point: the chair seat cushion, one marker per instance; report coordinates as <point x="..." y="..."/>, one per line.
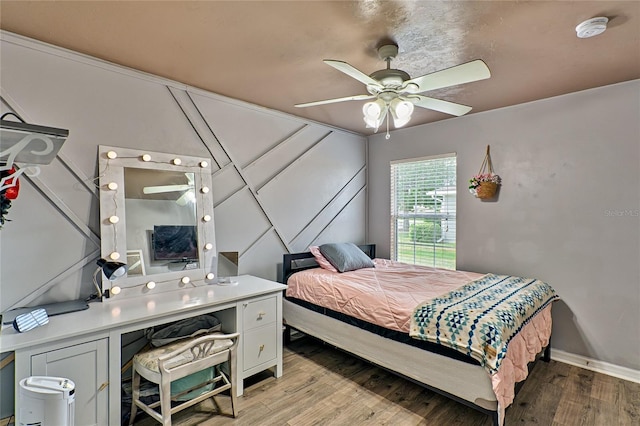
<point x="149" y="359"/>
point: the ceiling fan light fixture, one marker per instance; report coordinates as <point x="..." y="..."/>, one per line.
<point x="401" y="112"/>
<point x="373" y="109"/>
<point x="372" y="123"/>
<point x="374" y="113"/>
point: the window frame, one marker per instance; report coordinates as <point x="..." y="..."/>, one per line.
<point x="444" y="251"/>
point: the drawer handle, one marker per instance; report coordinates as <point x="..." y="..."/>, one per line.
<point x="261" y="314"/>
<point x="103" y="386"/>
<point x="261" y="348"/>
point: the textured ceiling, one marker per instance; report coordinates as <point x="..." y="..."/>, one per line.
<point x="270" y="53"/>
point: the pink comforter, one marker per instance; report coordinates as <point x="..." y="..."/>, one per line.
<point x="385" y="295"/>
<point x="388" y="294"/>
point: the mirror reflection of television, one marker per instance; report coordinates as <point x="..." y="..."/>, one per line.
<point x="175" y="242"/>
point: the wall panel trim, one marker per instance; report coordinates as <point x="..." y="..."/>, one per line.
<point x="329" y="203"/>
<point x="304" y="154"/>
<point x="262" y="156"/>
<point x="257" y="240"/>
<point x="286" y="166"/>
<point x="43" y="288"/>
<point x="338" y="215"/>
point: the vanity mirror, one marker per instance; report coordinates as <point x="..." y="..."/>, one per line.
<point x="156" y="214"/>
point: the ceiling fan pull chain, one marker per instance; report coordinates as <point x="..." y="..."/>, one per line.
<point x="387" y="136"/>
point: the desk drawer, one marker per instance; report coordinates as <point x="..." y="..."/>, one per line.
<point x="259" y="346"/>
<point x="259" y="313"/>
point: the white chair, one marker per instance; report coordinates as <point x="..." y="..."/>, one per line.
<point x="169" y="363"/>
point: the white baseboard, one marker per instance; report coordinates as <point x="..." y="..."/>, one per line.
<point x="595" y="365"/>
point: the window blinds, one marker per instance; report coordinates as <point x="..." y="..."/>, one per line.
<point x="423" y="211"/>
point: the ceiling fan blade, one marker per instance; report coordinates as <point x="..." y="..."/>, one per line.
<point x="331" y="101"/>
<point x="440" y="105"/>
<point x="164" y="188"/>
<point x="352" y="72"/>
<point x="465" y="73"/>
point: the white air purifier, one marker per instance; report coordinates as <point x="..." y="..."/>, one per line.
<point x="46" y="401"/>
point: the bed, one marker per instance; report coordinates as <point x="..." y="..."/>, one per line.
<point x="445" y="370"/>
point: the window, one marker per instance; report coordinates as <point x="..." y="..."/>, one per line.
<point x="423" y="211"/>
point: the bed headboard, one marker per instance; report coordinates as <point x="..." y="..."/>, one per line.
<point x="296" y="262"/>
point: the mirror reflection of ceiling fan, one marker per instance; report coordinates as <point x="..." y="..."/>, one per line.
<point x="188" y="193"/>
<point x="394" y="93"/>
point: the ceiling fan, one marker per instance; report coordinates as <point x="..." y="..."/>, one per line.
<point x="187" y="195"/>
<point x="395" y="92"/>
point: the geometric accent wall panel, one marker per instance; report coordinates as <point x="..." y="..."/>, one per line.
<point x="76" y="196"/>
<point x="294" y="177"/>
<point x="278" y="182"/>
<point x="267" y="166"/>
<point x="348" y="206"/>
<point x="342" y="228"/>
<point x="244" y="143"/>
<point x="309" y="184"/>
<point x="38" y="245"/>
<point x="263" y="258"/>
<point x="239" y="222"/>
<point x="226" y="182"/>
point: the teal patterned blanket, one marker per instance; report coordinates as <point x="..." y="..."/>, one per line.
<point x="480" y="318"/>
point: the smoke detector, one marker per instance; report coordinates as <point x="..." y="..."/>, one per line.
<point x="592" y="27"/>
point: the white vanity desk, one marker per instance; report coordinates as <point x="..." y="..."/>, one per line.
<point x="85" y="346"/>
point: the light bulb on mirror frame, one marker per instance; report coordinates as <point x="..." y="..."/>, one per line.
<point x="115" y="290"/>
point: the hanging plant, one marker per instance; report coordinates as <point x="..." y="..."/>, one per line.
<point x="485" y="184"/>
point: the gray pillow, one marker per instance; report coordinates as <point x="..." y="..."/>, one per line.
<point x="346" y="256"/>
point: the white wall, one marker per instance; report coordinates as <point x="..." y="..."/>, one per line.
<point x="567" y="212"/>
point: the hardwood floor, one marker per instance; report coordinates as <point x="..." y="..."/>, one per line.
<point x="323" y="386"/>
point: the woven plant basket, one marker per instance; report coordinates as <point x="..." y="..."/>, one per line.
<point x="486" y="190"/>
